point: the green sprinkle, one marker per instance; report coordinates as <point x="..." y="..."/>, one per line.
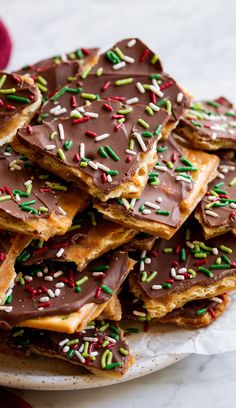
<point x="104" y="327"/>
<point x="168" y="250"/>
<point x="99" y="71"/>
<point x="192" y="272"/>
<point x="162" y="212"/>
<point x="18" y="333"/>
<point x="218" y="185"/>
<point x="186" y="161"/>
<point x="73" y="90"/>
<point x="7" y="91"/>
<point x="105" y="343"/>
<point x="56" y="186"/>
<point x="29" y="209"/>
<point x="161" y="149"/>
<point x="124" y="81"/>
<point x="57" y="96"/>
<point x="226" y="259"/>
<point x="113" y="365"/>
<point x="111" y="153"/>
<point x="183" y="255"/>
<point x="205" y="271"/>
<point x="68" y="144"/>
<point x="71" y="342"/>
<point x="4" y="198"/>
<point x="201" y="311"/>
<point x="196" y="123"/>
<point x="161" y="102"/>
<point x="123" y="351"/>
<point x="81" y="281"/>
<point x="85" y="72"/>
<point x="61" y="154"/>
<point x="43" y="209"/>
<point x="77" y="289"/>
<point x="112" y="172"/>
<point x="155" y="76"/>
<point x="42" y="80"/>
<point x="213" y="104"/>
<point x="141" y="208"/>
<point x="18" y="98"/>
<point x="184" y="169"/>
<point x="232" y="182"/>
<point x="119" y="53"/>
<point x="151" y="277"/>
<point x="166" y="285"/>
<point x="99" y="268"/>
<point x="200" y="255"/>
<point x="147" y="134"/>
<point x="168" y="107"/>
<point x="149" y="110"/>
<point x="89" y="96"/>
<point x="79" y="53"/>
<point x="106" y="289"/>
<point x="2" y="80"/>
<point x="143" y="123"/>
<point x="157" y="132"/>
<point x="144" y="276"/>
<point x="132" y="330"/>
<point x="226" y="249"/>
<point x="220" y="266"/>
<point x="41" y="87"/>
<point x="113" y="57"/>
<point x="218" y="261"/>
<point x="219" y="191"/>
<point x="31" y="202"/>
<point x="125" y="111"/>
<point x="104" y="358"/>
<point x="154" y="59"/>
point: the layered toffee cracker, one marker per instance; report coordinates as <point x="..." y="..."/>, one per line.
<point x="89" y="237"/>
<point x="32" y="201"/>
<point x="175" y="185"/>
<point x="193" y="315"/>
<point x="129" y="74"/>
<point x="101" y="348"/>
<point x="58" y="297"/>
<point x="217" y="210"/>
<point x="19" y="100"/>
<point x="11" y="245"/>
<point x="108" y="150"/>
<point x="209" y="125"/>
<point x="184" y="269"/>
<point x="141" y="241"/>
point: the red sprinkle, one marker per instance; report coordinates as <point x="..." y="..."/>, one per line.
<point x="2" y="256"/>
<point x="1" y="102"/>
<point x="128" y="159"/>
<point x="174" y="157"/>
<point x="207" y="125"/>
<point x="89" y="133"/>
<point x="118" y="116"/>
<point x="177" y="249"/>
<point x="76" y="157"/>
<point x="154" y="253"/>
<point x="186" y="275"/>
<point x="29" y="289"/>
<point x="64" y="280"/>
<point x="212" y="313"/>
<point x="85" y="51"/>
<point x="233" y="264"/>
<point x="73" y="101"/>
<point x="175" y="264"/>
<point x="201" y="262"/>
<point x="45" y="190"/>
<point x="117" y="98"/>
<point x="104" y="177"/>
<point x="43" y="288"/>
<point x="29" y="129"/>
<point x="153" y="98"/>
<point x="118" y="126"/>
<point x="166" y="85"/>
<point x="10" y="107"/>
<point x="80" y="120"/>
<point x="45" y="304"/>
<point x="144" y="55"/>
<point x="107" y="107"/>
<point x="106" y="85"/>
<point x="170" y="281"/>
<point x="98" y="292"/>
<point x="16" y="78"/>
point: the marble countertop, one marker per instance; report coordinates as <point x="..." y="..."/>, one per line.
<point x="197" y="42"/>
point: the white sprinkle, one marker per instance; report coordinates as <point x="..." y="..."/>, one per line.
<point x="60" y="252"/>
<point x="45" y="270"/>
<point x="120" y="65"/>
<point x="182" y="270"/>
<point x="17" y="197"/>
<point x="61" y="131"/>
<point x="50" y="147"/>
<point x="132" y="152"/>
<point x="102" y="167"/>
<point x="101" y="137"/>
<point x="141" y="267"/>
<point x="147" y="261"/>
<point x="91" y="114"/>
<point x="179" y="97"/>
<point x="221" y="176"/>
<point x="217" y="299"/>
<point x="57" y="292"/>
<point x="214" y="136"/>
<point x="233" y="205"/>
<point x="211" y="213"/>
<point x="173" y="272"/>
<point x="28" y="183"/>
<point x="60" y="112"/>
<point x="131" y="101"/>
<point x="28" y="278"/>
<point x="159" y="199"/>
<point x="152" y="205"/>
<point x="125" y="203"/>
<point x="109" y="178"/>
<point x="81" y="349"/>
<point x="98" y="274"/>
<point x="64" y="58"/>
<point x="50" y="293"/>
<point x="93" y="165"/>
<point x="137" y="313"/>
<point x="61" y="211"/>
<point x="63" y="342"/>
<point x="156" y="91"/>
<point x="44" y="299"/>
<point x="143" y="253"/>
<point x="128" y="59"/>
<point x="133" y="202"/>
<point x="79" y="356"/>
<point x="8" y="154"/>
<point x="154" y="107"/>
<point x="94" y="354"/>
<point x="6" y="309"/>
<point x="131" y="43"/>
<point x="59" y="285"/>
<point x="57" y="274"/>
<point x="40" y="309"/>
<point x="39" y="274"/>
<point x="179" y="277"/>
<point x="156" y="287"/>
<point x="91" y="339"/>
<point x="80" y="109"/>
<point x="215" y="251"/>
<point x="189" y="244"/>
<point x="111" y="340"/>
<point x="140" y="87"/>
<point x="186" y="180"/>
<point x="66" y="349"/>
<point x="48" y="278"/>
<point x="140" y="140"/>
<point x="161" y="168"/>
<point x="146" y="212"/>
<point x="82" y="150"/>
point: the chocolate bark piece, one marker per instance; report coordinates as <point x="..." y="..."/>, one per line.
<point x="33" y="201"/>
<point x="194" y="314"/>
<point x="11" y="245"/>
<point x="101" y="348"/>
<point x="59" y="290"/>
<point x="217" y="210"/>
<point x="89" y="237"/>
<point x="176" y="184"/>
<point x="210" y="124"/>
<point x="19" y="100"/>
<point x="111" y="157"/>
<point x="183" y="269"/>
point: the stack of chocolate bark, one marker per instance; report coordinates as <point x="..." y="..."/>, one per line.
<point x="115" y="204"/>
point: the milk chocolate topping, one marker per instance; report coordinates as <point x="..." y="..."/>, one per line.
<point x="32" y="298"/>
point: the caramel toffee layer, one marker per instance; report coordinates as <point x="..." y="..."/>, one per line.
<point x="134" y="309"/>
<point x="51" y="290"/>
<point x="169" y="183"/>
<point x="212" y="120"/>
<point x="26" y="191"/>
<point x="16" y="93"/>
<point x="104" y="143"/>
<point x="218" y="206"/>
<point x="101" y="345"/>
<point x="185" y="261"/>
<point x="56" y="247"/>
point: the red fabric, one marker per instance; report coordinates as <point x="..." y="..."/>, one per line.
<point x="10" y="400"/>
<point x="5" y="46"/>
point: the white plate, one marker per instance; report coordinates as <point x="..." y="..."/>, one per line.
<point x="38" y="373"/>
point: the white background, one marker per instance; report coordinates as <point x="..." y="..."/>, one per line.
<point x="196" y="39"/>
